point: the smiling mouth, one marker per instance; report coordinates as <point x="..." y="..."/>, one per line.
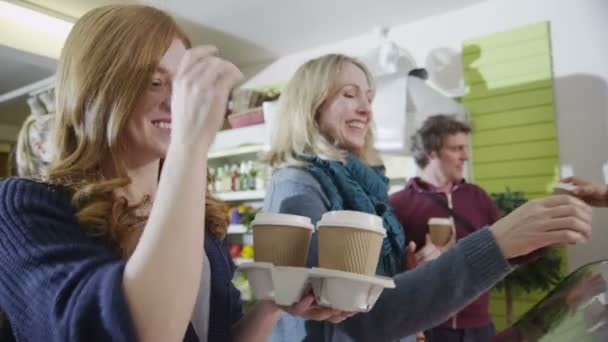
<point x="356" y="124"/>
<point x="163" y="124"/>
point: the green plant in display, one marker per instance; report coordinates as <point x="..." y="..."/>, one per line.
<point x="540" y="274"/>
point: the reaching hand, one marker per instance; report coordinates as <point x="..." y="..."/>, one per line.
<point x="554" y="220"/>
<point x="428" y="252"/>
<point x="593" y="194"/>
<point x="308" y="309"/>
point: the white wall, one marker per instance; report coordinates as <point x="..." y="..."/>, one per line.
<point x="579" y="36"/>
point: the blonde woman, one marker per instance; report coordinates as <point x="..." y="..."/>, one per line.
<point x="107" y="251"/>
<point x="34" y="152"/>
<point x="322" y="146"/>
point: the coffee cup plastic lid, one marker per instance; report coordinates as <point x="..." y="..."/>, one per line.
<point x="353" y="219"/>
<point x="282" y="220"/>
<point x="440" y="221"/>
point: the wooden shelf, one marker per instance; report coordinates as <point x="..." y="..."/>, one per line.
<point x="242" y="196"/>
<point x="240" y="261"/>
<point x="238" y="138"/>
<point x="236" y="151"/>
<point x="237" y="229"/>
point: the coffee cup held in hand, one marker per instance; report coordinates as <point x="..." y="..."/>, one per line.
<point x="440" y="230"/>
<point x="564" y="188"/>
<point x="350" y="241"/>
<point x="281" y="239"/>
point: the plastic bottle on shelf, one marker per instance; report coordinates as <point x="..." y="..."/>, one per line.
<point x="219" y="174"/>
<point x="260" y="179"/>
<point x="235" y="178"/>
<point x="227" y="179"/>
<point x="212" y="177"/>
<point x="244" y="176"/>
<point x="253" y="173"/>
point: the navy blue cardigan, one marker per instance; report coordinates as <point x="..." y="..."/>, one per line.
<point x="59" y="284"/>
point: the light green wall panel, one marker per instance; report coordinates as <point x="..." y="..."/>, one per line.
<point x="520" y="168"/>
<point x="488" y="72"/>
<point x="504" y="54"/>
<point x="514" y="151"/>
<point x="520" y="117"/>
<point x="509" y="135"/>
<point x="516" y="100"/>
<point x="514" y="141"/>
<point x="513" y="38"/>
<point x="540" y="184"/>
<point x="510" y="85"/>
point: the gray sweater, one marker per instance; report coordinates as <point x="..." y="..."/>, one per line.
<point x="424" y="297"/>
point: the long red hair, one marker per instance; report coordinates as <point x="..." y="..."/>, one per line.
<point x="104" y="68"/>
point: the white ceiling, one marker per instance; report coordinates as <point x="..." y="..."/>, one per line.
<point x="254" y="31"/>
<point x="74" y="8"/>
<point x="283" y="26"/>
<point x="18" y="68"/>
<point x="248" y="32"/>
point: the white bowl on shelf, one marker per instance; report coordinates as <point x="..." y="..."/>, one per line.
<point x="347" y="291"/>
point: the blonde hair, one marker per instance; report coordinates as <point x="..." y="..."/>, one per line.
<point x="295" y="130"/>
<point x="105" y="66"/>
<point x="35" y="129"/>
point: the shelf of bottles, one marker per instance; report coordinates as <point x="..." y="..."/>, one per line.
<point x="240" y="181"/>
<point x="239" y="178"/>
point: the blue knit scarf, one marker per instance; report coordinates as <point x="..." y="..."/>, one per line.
<point x="356" y="186"/>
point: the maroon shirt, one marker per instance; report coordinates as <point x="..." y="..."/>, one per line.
<point x="413" y="208"/>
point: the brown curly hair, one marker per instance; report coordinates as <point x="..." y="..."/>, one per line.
<point x="430" y="136"/>
<point x="105" y="66"/>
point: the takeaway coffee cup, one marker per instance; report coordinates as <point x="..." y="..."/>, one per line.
<point x="440" y="230"/>
<point x="281" y="239"/>
<point x="350" y="241"/>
